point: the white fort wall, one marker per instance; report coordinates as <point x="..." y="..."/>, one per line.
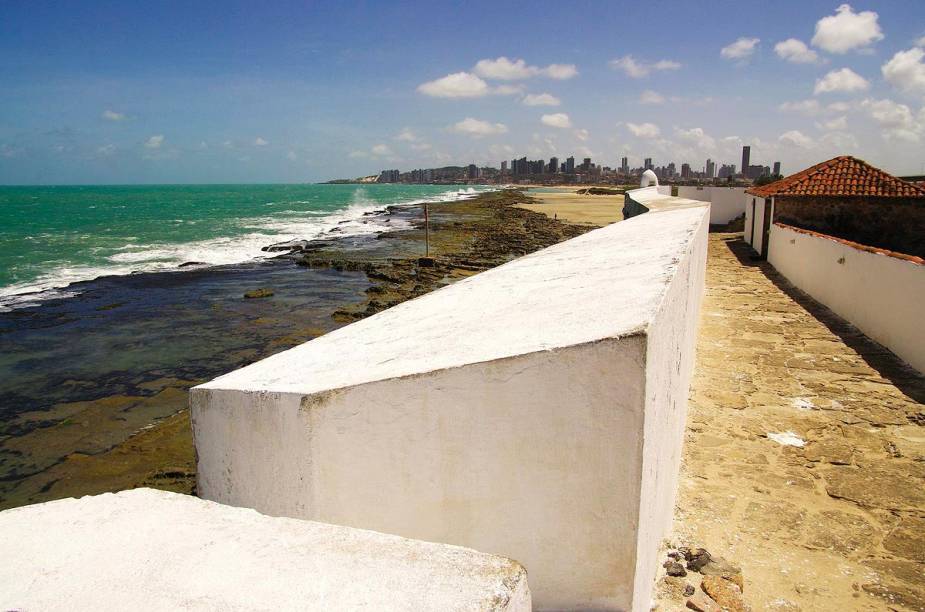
<point x="535" y="411"/>
<point x="887" y="308"/>
<point x="153" y="550"/>
<point x="726" y="203"/>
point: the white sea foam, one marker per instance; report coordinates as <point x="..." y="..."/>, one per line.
<point x="288" y="225"/>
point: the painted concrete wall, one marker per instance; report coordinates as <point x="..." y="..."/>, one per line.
<point x="726" y="203"/>
<point x="756" y="240"/>
<point x="881" y="295"/>
<point x="515" y="412"/>
<point x="153" y="550"/>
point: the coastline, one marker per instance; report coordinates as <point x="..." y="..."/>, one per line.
<point x="108" y="443"/>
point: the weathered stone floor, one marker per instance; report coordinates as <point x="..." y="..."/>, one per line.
<point x="837" y="524"/>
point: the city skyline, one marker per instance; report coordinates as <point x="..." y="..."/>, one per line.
<point x="107" y="92"/>
<point x="587" y="169"/>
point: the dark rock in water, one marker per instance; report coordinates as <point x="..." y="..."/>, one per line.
<point x="187" y="264"/>
<point x="291" y="245"/>
<point x="259" y="293"/>
<point x="673" y="568"/>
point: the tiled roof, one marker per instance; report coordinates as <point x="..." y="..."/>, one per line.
<point x="841" y="176"/>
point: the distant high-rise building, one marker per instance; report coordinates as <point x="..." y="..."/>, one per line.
<point x="685" y="171"/>
<point x="710" y="170"/>
<point x="625" y="165"/>
<point x="586" y="164"/>
<point x="746" y="158"/>
<point x="553" y="165"/>
<point x="671" y="170"/>
<point x="473" y="171"/>
<point x="570" y="165"/>
<point x="647" y="165"/>
<point x="777" y="168"/>
<point x="389" y="176"/>
<point x="504" y="167"/>
<point x="727" y="170"/>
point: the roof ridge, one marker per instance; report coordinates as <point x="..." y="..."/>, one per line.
<point x="845" y="176"/>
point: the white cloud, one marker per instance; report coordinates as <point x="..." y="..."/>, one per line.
<point x="838" y="107"/>
<point x="582" y="134"/>
<point x="260" y="142"/>
<point x="638" y="69"/>
<point x="380" y="150"/>
<point x="696" y="136"/>
<point x="406" y="135"/>
<point x="651" y="97"/>
<point x="478" y="128"/>
<point x="560" y="72"/>
<point x="796" y="51"/>
<point x="543" y="99"/>
<point x="838" y="123"/>
<point x="456" y="85"/>
<point x="741" y="49"/>
<point x="421" y="146"/>
<point x="897" y="120"/>
<point x="797" y="139"/>
<point x="291" y="156"/>
<point x="805" y="107"/>
<point x="906" y="71"/>
<point x="643" y="130"/>
<point x="358" y="154"/>
<point x="847" y="30"/>
<point x="107" y="149"/>
<point x="920" y="42"/>
<point x="504" y="69"/>
<point x="557" y="120"/>
<point x="845" y="80"/>
<point x="112" y="115"/>
<point x="155" y="141"/>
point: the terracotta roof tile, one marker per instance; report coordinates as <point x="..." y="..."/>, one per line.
<point x="841" y="176"/>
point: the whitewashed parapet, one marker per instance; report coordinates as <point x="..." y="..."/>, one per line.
<point x="154" y="550"/>
<point x="879" y="292"/>
<point x="534" y="411"/>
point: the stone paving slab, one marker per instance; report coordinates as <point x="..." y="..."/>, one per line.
<point x="804" y="458"/>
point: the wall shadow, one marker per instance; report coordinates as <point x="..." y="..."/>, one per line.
<point x="885" y="362"/>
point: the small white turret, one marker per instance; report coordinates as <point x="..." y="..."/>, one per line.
<point x="648" y="178"/>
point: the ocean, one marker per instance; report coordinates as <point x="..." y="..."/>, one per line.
<point x="102" y="332"/>
<point x="53" y="236"/>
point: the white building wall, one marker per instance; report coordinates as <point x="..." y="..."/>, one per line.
<point x="145" y="549"/>
<point x="754" y="227"/>
<point x="726" y="203"/>
<point x="879" y="294"/>
<point x="534" y="411"/>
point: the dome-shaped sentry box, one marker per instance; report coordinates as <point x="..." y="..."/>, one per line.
<point x="648" y="178"/>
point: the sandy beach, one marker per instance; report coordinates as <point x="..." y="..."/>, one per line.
<point x="568" y="205"/>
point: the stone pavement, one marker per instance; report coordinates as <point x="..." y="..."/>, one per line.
<point x="804" y="458"/>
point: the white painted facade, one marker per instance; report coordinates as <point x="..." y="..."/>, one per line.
<point x="726" y="203"/>
<point x="154" y="550"/>
<point x="879" y="294"/>
<point x="534" y="411"/>
<point x="756" y="220"/>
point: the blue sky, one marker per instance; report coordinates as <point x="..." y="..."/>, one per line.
<point x="130" y="92"/>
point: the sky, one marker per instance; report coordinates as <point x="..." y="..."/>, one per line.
<point x="220" y="92"/>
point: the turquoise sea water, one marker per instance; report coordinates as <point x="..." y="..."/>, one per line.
<point x="53" y="236"/>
